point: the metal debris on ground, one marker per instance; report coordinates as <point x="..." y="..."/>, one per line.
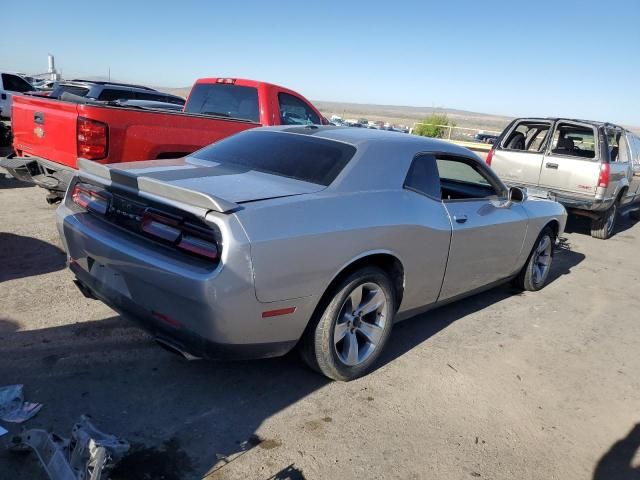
<point x="13" y="408"/>
<point x="85" y="456"/>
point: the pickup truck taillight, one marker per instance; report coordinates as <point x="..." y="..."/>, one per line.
<point x="605" y="173"/>
<point x="93" y="139"/>
<point x="490" y="156"/>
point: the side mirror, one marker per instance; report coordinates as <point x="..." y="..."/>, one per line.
<point x="517" y="194"/>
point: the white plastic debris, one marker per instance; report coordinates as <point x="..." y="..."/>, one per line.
<point x="13" y="408"/>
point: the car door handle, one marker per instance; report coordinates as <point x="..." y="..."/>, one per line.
<point x="4" y="96"/>
<point x="552" y="165"/>
<point x="460" y="218"/>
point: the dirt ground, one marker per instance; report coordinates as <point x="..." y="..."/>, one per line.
<point x="502" y="385"/>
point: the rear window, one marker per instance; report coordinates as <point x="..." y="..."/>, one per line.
<point x="73" y="89"/>
<point x="159" y="97"/>
<point x="225" y="100"/>
<point x="112" y="94"/>
<point x="302" y="157"/>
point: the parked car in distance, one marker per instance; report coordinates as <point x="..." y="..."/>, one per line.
<point x="10" y="85"/>
<point x="485" y="137"/>
<point x="592" y="168"/>
<point x="50" y="133"/>
<point x="112" y="91"/>
<point x="320" y="237"/>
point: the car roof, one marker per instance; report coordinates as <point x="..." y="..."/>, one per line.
<point x="594" y="123"/>
<point x="77" y="81"/>
<point x="360" y="137"/>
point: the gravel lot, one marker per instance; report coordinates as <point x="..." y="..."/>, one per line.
<point x="498" y="386"/>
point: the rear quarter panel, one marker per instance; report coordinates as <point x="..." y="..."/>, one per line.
<point x="298" y="247"/>
<point x="541" y="213"/>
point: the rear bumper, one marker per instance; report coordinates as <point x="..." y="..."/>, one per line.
<point x="203" y="312"/>
<point x="39" y="171"/>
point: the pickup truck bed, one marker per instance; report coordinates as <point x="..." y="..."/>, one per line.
<point x="51" y="134"/>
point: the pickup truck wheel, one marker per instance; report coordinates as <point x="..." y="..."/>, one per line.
<point x="604" y="226"/>
<point x="535" y="273"/>
<point x="353" y="327"/>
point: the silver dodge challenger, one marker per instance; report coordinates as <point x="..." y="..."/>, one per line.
<point x="319" y="238"/>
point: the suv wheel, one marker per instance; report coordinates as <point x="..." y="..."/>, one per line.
<point x="604" y="226"/>
<point x="353" y="328"/>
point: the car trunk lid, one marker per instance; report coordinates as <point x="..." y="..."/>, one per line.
<point x="198" y="183"/>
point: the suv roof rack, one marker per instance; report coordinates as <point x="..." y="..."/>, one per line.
<point x="100" y="82"/>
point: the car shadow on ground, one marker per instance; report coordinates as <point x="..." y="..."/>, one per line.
<point x="182" y="418"/>
<point x="7" y="181"/>
<point x="22" y="257"/>
<point x="616" y="463"/>
<point x="582" y="225"/>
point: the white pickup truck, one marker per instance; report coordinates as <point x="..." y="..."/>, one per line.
<point x="10" y="85"/>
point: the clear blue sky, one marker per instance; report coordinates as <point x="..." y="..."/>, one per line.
<point x="566" y="58"/>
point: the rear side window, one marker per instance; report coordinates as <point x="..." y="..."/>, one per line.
<point x="617" y="143"/>
<point x="302" y="157"/>
<point x="574" y="141"/>
<point x="14" y="83"/>
<point x="423" y="176"/>
<point x="73" y="89"/>
<point x="226" y="100"/>
<point x="294" y="111"/>
<point x="527" y="136"/>
<point x="111" y="94"/>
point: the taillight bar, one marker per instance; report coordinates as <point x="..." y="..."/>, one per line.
<point x="183" y="235"/>
<point x="229" y="81"/>
<point x="90" y="198"/>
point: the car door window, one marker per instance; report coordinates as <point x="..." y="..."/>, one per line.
<point x="294" y="111"/>
<point x="571" y="140"/>
<point x="14" y="83"/>
<point x="465" y="179"/>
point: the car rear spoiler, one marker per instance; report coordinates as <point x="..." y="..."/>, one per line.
<point x="142" y="184"/>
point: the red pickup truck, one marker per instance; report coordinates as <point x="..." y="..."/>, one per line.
<point x="49" y="135"/>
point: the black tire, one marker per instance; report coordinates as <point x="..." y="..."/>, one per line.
<point x="604" y="226"/>
<point x="317" y="347"/>
<point x="634" y="214"/>
<point x="526" y="278"/>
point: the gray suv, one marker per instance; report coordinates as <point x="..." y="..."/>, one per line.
<point x="592" y="168"/>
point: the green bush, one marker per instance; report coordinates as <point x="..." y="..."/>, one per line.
<point x="434" y="126"/>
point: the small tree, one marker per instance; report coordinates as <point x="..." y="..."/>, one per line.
<point x="433" y="126"/>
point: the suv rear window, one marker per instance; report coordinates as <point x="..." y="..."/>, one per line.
<point x="111" y="94"/>
<point x="302" y="157"/>
<point x="574" y="141"/>
<point x="225" y="100"/>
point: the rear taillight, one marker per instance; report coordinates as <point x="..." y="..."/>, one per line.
<point x="605" y="173"/>
<point x="490" y="156"/>
<point x="183" y="235"/>
<point x="93" y="139"/>
<point x="90" y="198"/>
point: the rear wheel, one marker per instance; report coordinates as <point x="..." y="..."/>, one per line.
<point x="604" y="226"/>
<point x="535" y="273"/>
<point x="353" y="327"/>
